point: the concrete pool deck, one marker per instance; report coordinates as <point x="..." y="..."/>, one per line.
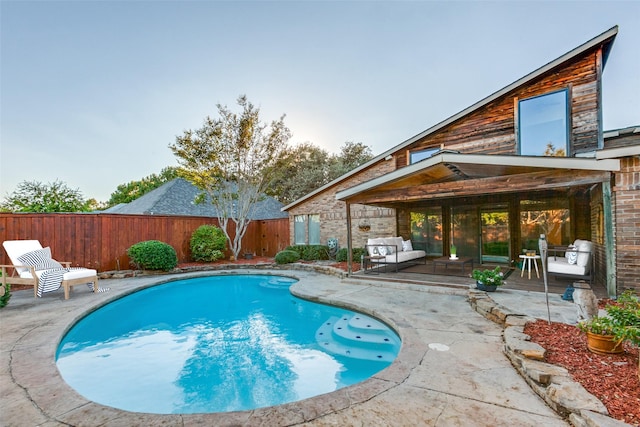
<point x="451" y="371"/>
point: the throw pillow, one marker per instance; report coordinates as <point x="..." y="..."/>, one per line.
<point x="382" y="250"/>
<point x="572" y="255"/>
<point x="407" y="246"/>
<point x="371" y="248"/>
<point x="40" y="259"/>
<point x="391" y="250"/>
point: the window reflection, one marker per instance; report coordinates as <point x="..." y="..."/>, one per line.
<point x="416" y="156"/>
<point x="543" y="125"/>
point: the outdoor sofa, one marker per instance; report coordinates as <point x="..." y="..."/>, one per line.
<point x="393" y="251"/>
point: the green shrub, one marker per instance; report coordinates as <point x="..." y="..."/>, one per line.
<point x="356" y="254"/>
<point x="287" y="257"/>
<point x="4" y="299"/>
<point x="153" y="255"/>
<point x="311" y="252"/>
<point x="208" y="243"/>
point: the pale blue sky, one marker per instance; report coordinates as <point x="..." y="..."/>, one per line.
<point x="93" y="92"/>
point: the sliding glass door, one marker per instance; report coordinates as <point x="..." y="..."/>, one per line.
<point x="464" y="231"/>
<point x="426" y="230"/>
<point x="494" y="233"/>
<point x="481" y="232"/>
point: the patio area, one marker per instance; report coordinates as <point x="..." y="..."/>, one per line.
<point x="435" y="380"/>
<point x="455" y="277"/>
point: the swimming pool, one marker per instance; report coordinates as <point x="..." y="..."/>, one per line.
<point x="217" y="344"/>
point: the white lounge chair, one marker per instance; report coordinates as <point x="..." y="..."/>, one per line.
<point x="30" y="261"/>
<point x="574" y="262"/>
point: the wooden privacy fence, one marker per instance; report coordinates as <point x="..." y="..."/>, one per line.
<point x="101" y="241"/>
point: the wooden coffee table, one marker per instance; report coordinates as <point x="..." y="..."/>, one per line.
<point x="446" y="261"/>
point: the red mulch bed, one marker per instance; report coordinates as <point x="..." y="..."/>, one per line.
<point x="613" y="379"/>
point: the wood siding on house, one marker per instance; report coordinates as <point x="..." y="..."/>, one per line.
<point x="529" y="183"/>
<point x="101" y="241"/>
<point x="492" y="129"/>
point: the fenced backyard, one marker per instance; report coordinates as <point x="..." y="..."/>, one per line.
<point x="100" y="241"/>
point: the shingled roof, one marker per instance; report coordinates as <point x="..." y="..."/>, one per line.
<point x="177" y="197"/>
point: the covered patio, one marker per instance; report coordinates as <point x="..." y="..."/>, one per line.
<point x="423" y="274"/>
<point x="494" y="207"/>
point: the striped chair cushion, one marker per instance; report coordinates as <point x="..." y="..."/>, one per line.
<point x="40" y="259"/>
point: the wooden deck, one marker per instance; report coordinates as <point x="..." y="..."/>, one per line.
<point x="453" y="276"/>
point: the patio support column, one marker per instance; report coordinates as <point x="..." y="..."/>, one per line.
<point x="609" y="251"/>
<point x="349" y="251"/>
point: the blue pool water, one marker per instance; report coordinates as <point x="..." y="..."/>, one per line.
<point x="217" y="344"/>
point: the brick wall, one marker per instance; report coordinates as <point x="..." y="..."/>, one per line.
<point x="333" y="215"/>
<point x="626" y="195"/>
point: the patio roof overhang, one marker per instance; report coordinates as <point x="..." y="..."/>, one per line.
<point x="449" y="175"/>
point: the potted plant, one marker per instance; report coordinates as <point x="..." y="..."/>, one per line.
<point x="488" y="280"/>
<point x="453" y="251"/>
<point x="606" y="334"/>
<point x="600" y="331"/>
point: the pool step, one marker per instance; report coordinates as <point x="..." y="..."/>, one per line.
<point x="277" y="282"/>
<point x="358" y="336"/>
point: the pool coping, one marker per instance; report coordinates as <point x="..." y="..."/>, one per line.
<point x="33" y="367"/>
<point x="39" y="394"/>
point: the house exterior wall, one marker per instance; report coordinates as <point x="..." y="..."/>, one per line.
<point x="626" y="212"/>
<point x="489" y="130"/>
<point x="333" y="215"/>
<point x="623" y="138"/>
<point x="492" y="129"/>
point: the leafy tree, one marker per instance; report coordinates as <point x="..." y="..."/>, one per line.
<point x="233" y="158"/>
<point x="307" y="167"/>
<point x="301" y="170"/>
<point x="552" y="151"/>
<point x="95" y="205"/>
<point x="34" y="196"/>
<point x="352" y="154"/>
<point x="126" y="193"/>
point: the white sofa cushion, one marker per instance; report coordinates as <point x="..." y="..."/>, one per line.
<point x="409" y="255"/>
<point x="561" y="266"/>
<point x="15" y="248"/>
<point x="584" y="252"/>
<point x="74" y="273"/>
<point x="394" y="244"/>
<point x="401" y="257"/>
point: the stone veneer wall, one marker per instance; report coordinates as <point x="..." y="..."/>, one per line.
<point x="333" y="215"/>
<point x="626" y="202"/>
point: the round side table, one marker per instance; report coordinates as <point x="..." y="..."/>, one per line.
<point x="526" y="263"/>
